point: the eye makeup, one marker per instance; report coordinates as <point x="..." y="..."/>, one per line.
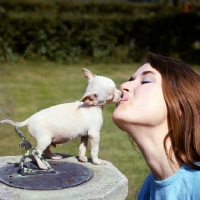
<point x="144" y="74"/>
<point x="146" y="80"/>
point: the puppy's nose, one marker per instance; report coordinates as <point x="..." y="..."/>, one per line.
<point x="124" y="96"/>
<point x="120" y="95"/>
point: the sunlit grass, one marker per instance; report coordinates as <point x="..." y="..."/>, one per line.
<point x="28" y="87"/>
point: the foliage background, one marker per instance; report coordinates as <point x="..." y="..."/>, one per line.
<point x="68" y="31"/>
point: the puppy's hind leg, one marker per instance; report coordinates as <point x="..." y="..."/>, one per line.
<point x="41" y="146"/>
<point x="83" y="148"/>
<point x="52" y="155"/>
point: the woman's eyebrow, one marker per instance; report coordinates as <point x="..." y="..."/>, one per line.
<point x="143" y="73"/>
<point x="147" y="72"/>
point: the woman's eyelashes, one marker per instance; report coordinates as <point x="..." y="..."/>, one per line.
<point x="146" y="80"/>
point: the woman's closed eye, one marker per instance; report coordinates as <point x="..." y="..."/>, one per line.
<point x="146" y="80"/>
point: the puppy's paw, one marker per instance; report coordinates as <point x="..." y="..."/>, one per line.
<point x="56" y="157"/>
<point x="83" y="159"/>
<point x="97" y="162"/>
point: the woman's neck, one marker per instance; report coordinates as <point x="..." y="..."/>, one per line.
<point x="151" y="144"/>
<point x="161" y="166"/>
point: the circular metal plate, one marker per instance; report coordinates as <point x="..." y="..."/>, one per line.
<point x="67" y="175"/>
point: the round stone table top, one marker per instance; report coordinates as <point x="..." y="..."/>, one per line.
<point x="106" y="183"/>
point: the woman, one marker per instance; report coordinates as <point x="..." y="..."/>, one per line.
<point x="160" y="110"/>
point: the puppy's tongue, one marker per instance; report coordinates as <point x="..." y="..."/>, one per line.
<point x="124" y="97"/>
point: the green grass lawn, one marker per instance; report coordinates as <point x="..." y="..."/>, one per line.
<point x="28" y="87"/>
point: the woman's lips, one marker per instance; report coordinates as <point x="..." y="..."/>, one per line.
<point x="124" y="98"/>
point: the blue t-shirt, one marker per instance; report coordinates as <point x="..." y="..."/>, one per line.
<point x="183" y="185"/>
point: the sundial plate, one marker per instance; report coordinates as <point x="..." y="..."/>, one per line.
<point x="67" y="175"/>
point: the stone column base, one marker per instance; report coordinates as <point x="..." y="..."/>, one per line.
<point x="107" y="183"/>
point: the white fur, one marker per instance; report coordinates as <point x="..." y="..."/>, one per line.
<point x="64" y="122"/>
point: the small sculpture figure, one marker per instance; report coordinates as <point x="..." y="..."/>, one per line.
<point x="28" y="170"/>
<point x="64" y="122"/>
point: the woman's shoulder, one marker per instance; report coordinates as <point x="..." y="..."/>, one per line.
<point x="190" y="173"/>
<point x="174" y="186"/>
<point x="145" y="190"/>
<point x="185" y="176"/>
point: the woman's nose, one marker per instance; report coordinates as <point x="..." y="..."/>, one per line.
<point x="124" y="87"/>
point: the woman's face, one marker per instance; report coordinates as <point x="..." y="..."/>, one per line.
<point x="142" y="102"/>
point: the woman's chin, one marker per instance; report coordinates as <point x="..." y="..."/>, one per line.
<point x="117" y="119"/>
<point x="115" y="116"/>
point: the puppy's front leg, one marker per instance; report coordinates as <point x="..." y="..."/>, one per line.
<point x="94" y="140"/>
<point x="82" y="149"/>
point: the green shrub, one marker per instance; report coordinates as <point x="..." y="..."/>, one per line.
<point x="171" y="35"/>
<point x="67" y="31"/>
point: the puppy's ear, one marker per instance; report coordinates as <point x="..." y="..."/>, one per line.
<point x="88" y="74"/>
<point x="89" y="99"/>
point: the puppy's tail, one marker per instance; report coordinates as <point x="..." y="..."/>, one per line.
<point x="18" y="124"/>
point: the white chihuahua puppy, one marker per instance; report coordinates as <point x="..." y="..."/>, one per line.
<point x="64" y="122"/>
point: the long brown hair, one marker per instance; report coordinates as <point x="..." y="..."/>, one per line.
<point x="181" y="90"/>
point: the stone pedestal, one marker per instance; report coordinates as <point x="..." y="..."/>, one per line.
<point x="107" y="183"/>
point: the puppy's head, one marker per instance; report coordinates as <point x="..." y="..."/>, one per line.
<point x="100" y="90"/>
